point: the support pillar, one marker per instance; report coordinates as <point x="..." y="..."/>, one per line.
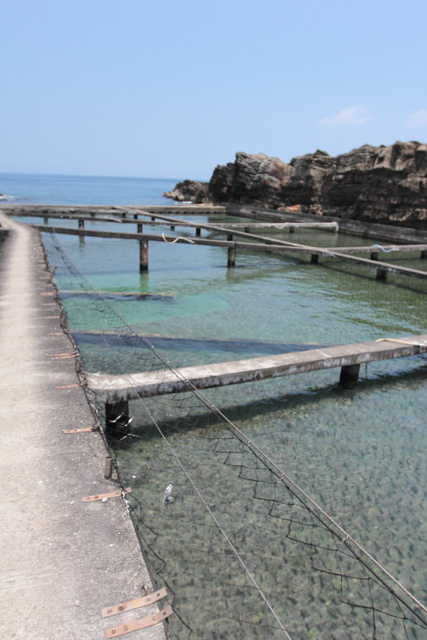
<point x="314" y="258"/>
<point x="374" y="255"/>
<point x="231" y="262"/>
<point x="423" y="255"/>
<point x="381" y="274"/>
<point x="139" y="228"/>
<point x="143" y="256"/>
<point x="135" y="216"/>
<point x="247" y="229"/>
<point x="45" y="220"/>
<point x="81" y="226"/>
<point x="197" y="232"/>
<point x="172" y="227"/>
<point x="291" y="229"/>
<point x="349" y="373"/>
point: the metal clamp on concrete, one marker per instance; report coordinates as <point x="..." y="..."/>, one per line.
<point x="106" y="496"/>
<point x="149" y="621"/>
<point x="134" y="604"/>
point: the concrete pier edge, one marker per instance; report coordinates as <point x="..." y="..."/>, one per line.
<point x="62" y="560"/>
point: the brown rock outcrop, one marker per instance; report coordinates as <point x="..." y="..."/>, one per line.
<point x="378" y="183"/>
<point x="371" y="183"/>
<point x="190" y="190"/>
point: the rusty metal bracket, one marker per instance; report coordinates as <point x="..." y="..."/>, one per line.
<point x="68" y="386"/>
<point x="102" y="496"/>
<point x="149" y="621"/>
<point x="134" y="604"/>
<point x="63" y="356"/>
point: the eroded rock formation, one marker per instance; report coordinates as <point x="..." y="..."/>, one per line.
<point x="190" y="191"/>
<point x="371" y="183"/>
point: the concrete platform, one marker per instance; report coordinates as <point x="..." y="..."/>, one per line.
<point x="114" y="389"/>
<point x="62" y="560"/>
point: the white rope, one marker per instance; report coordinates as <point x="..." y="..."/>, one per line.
<point x="412" y="344"/>
<point x="378" y="246"/>
<point x="176" y="239"/>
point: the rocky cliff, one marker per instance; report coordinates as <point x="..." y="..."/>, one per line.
<point x="370" y="183"/>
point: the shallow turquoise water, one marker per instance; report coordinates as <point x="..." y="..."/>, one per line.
<point x="361" y="453"/>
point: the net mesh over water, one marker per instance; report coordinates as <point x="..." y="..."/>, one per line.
<point x="242" y="551"/>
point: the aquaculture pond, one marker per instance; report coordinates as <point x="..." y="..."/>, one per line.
<point x="359" y="452"/>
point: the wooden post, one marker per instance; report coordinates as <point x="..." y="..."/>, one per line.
<point x="349" y="373"/>
<point x="197" y="232"/>
<point x="45" y="220"/>
<point x="247" y="229"/>
<point x="143" y="256"/>
<point x="381" y="274"/>
<point x="139" y="228"/>
<point x="172" y="227"/>
<point x="291" y="229"/>
<point x="124" y="215"/>
<point x="81" y="226"/>
<point x="135" y="216"/>
<point x="374" y="255"/>
<point x="423" y="255"/>
<point x="231" y="261"/>
<point x="314" y="258"/>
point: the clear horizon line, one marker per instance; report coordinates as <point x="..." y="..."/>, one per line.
<point x="92" y="175"/>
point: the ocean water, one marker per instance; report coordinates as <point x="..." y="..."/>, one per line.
<point x="59" y="189"/>
<point x="359" y="452"/>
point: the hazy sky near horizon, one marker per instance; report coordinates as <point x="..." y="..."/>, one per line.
<point x="173" y="88"/>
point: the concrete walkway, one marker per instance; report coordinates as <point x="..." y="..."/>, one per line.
<point x="61" y="560"/>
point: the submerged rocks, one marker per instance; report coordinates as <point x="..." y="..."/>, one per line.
<point x="371" y="183"/>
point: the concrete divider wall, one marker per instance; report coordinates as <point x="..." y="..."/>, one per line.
<point x="391" y="232"/>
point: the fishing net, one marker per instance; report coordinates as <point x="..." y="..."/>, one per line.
<point x="243" y="552"/>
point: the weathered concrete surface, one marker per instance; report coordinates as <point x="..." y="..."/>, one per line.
<point x="61" y="560"/>
<point x="111" y="389"/>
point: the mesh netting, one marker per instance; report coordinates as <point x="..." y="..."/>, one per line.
<point x="243" y="552"/>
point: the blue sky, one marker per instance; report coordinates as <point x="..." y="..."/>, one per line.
<point x="173" y="88"/>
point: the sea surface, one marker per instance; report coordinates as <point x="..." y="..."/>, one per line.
<point x="59" y="189"/>
<point x="359" y="452"/>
